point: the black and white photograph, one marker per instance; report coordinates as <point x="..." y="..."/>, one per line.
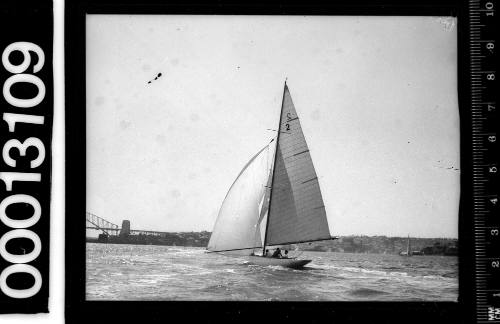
<point x="231" y="161"/>
<point x="271" y="158"/>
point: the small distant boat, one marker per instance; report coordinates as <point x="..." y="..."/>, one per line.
<point x="275" y="200"/>
<point x="408" y="251"/>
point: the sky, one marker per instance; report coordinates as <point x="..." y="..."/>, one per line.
<point x="376" y="97"/>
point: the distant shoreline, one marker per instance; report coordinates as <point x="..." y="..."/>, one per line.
<point x="351" y="243"/>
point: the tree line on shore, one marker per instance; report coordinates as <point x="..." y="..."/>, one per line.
<point x="351" y="243"/>
<point x="385" y="245"/>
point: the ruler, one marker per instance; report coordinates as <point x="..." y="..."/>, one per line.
<point x="483" y="50"/>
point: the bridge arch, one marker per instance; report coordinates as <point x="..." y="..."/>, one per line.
<point x="98" y="223"/>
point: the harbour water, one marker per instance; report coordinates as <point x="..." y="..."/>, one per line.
<point x="149" y="272"/>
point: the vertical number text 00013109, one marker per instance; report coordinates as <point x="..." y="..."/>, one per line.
<point x="25" y="72"/>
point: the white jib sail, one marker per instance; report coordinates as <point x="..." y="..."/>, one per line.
<point x="240" y="214"/>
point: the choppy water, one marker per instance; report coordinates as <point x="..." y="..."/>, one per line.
<point x="146" y="272"/>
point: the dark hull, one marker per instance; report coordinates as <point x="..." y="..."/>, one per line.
<point x="287" y="263"/>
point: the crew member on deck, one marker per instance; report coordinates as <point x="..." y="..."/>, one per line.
<point x="266" y="254"/>
<point x="286" y="255"/>
<point x="277" y="253"/>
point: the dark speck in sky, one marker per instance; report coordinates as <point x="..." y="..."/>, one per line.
<point x="156" y="78"/>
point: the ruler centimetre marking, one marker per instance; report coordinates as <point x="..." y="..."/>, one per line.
<point x="483" y="103"/>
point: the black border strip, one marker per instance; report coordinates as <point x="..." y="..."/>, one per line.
<point x="29" y="21"/>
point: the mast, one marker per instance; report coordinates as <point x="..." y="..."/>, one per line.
<point x="274" y="165"/>
<point x="408" y="246"/>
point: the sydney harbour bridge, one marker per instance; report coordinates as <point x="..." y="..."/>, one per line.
<point x="106" y="227"/>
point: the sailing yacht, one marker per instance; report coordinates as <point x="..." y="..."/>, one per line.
<point x="275" y="200"/>
<point x="409" y="252"/>
<point x="408" y="249"/>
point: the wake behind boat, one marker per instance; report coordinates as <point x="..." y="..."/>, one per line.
<point x="275" y="200"/>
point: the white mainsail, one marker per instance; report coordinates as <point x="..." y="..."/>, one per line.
<point x="297" y="212"/>
<point x="276" y="200"/>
